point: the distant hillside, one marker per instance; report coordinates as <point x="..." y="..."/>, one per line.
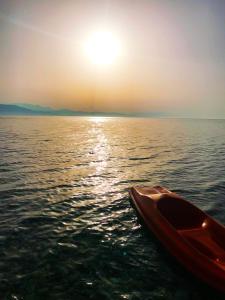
<point x="7" y="109"/>
<point x="21" y="109"/>
<point x="31" y="110"/>
<point x="35" y="107"/>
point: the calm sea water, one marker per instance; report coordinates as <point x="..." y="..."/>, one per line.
<point x="67" y="230"/>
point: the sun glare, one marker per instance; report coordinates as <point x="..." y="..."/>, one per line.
<point x="102" y="48"/>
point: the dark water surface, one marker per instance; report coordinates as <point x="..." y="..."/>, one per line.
<point x="67" y="230"/>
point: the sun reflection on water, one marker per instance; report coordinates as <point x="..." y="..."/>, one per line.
<point x="99" y="119"/>
<point x="102" y="179"/>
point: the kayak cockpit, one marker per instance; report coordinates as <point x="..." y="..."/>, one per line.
<point x="180" y="213"/>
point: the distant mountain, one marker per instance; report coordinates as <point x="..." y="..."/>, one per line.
<point x="35" y="107"/>
<point x="8" y="109"/>
<point x="23" y="109"/>
<point x="31" y="110"/>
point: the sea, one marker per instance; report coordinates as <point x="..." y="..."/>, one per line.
<point x="67" y="228"/>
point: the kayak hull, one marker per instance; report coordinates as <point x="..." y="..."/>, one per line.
<point x="195" y="239"/>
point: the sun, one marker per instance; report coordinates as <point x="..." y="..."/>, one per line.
<point x="102" y="48"/>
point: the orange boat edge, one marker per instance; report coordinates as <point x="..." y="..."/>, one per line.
<point x="194" y="238"/>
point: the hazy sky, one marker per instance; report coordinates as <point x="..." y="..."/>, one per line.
<point x="172" y="55"/>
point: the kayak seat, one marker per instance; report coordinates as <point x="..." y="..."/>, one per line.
<point x="180" y="213"/>
<point x="203" y="241"/>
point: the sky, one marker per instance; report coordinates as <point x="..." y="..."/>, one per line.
<point x="171" y="59"/>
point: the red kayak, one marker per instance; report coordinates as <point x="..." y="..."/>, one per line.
<point x="194" y="238"/>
